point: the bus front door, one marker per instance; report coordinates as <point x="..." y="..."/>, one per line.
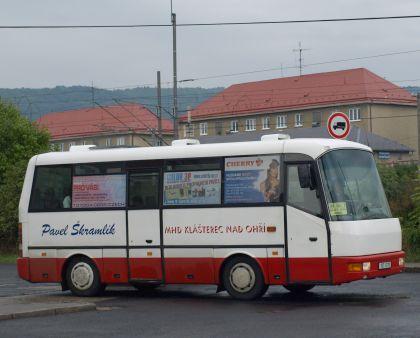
<point x="307" y="237"/>
<point x="143" y="218"/>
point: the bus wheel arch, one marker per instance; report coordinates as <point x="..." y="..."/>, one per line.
<point x="89" y="267"/>
<point x="239" y="264"/>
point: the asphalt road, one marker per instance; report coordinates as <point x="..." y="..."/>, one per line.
<point x="376" y="308"/>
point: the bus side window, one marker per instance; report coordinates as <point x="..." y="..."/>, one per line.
<point x="303" y="198"/>
<point x="52" y="188"/>
<point x="143" y="191"/>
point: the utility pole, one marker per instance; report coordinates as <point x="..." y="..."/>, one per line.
<point x="93" y="95"/>
<point x="300" y="50"/>
<point x="159" y="108"/>
<point x="175" y="81"/>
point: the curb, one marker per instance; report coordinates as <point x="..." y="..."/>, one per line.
<point x="412" y="269"/>
<point x="49" y="312"/>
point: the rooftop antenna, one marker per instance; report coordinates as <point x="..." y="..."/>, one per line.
<point x="300" y="50"/>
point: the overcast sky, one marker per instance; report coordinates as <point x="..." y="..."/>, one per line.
<point x="128" y="57"/>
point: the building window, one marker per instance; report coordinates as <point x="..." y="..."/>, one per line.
<point x="108" y="142"/>
<point x="121" y="141"/>
<point x="250" y="124"/>
<point x="298" y="120"/>
<point x="316" y="119"/>
<point x="218" y="127"/>
<point x="354" y="114"/>
<point x="266" y="122"/>
<point x="203" y="128"/>
<point x="282" y="121"/>
<point x="189" y="130"/>
<point x="234" y="127"/>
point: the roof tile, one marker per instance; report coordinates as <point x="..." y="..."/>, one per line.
<point x="304" y="91"/>
<point x="98" y="120"/>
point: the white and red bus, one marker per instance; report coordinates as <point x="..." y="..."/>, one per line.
<point x="241" y="216"/>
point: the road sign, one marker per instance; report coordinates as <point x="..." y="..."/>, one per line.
<point x="338" y="125"/>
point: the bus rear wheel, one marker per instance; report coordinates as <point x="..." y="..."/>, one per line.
<point x="83" y="278"/>
<point x="243" y="279"/>
<point x="299" y="288"/>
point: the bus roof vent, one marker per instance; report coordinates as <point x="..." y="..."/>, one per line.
<point x="275" y="137"/>
<point x="185" y="142"/>
<point x="85" y="147"/>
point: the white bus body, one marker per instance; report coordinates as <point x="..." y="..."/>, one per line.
<point x="241" y="216"/>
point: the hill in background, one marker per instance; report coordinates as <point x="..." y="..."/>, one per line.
<point x="34" y="103"/>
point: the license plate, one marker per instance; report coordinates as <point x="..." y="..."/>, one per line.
<point x="384" y="265"/>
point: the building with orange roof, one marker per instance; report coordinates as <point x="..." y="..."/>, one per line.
<point x="108" y="126"/>
<point x="372" y="103"/>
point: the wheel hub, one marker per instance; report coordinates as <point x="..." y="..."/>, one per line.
<point x="82" y="276"/>
<point x="242" y="277"/>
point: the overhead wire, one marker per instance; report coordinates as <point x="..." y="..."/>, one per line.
<point x="227" y="23"/>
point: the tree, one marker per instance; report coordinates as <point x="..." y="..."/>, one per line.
<point x="19" y="141"/>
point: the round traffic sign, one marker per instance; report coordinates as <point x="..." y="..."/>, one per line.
<point x="338" y="125"/>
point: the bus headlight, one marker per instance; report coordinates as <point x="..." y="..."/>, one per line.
<point x="366" y="266"/>
<point x="401" y="261"/>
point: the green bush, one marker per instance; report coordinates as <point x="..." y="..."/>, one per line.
<point x="19" y="141"/>
<point x="402" y="187"/>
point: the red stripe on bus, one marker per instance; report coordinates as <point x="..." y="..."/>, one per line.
<point x="206" y="270"/>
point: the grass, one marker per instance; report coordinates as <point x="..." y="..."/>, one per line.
<point x="412" y="257"/>
<point x="7" y="258"/>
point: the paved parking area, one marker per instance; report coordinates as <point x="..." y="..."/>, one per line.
<point x="378" y="308"/>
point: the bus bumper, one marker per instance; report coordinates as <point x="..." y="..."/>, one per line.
<point x="23" y="267"/>
<point x="381" y="265"/>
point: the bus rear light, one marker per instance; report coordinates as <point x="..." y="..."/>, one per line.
<point x="366" y="266"/>
<point x="20" y="253"/>
<point x="271" y="229"/>
<point x="355" y="267"/>
<point x="401" y="261"/>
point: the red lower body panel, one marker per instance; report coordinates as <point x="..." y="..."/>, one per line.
<point x="207" y="270"/>
<point x="309" y="269"/>
<point x="342" y="275"/>
<point x="146" y="268"/>
<point x="23" y="268"/>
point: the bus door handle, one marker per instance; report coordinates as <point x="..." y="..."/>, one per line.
<point x="149" y="241"/>
<point x="313" y="239"/>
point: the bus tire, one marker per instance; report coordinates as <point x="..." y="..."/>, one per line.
<point x="299" y="288"/>
<point x="83" y="278"/>
<point x="243" y="279"/>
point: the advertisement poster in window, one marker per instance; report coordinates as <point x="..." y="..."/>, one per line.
<point x="192" y="187"/>
<point x="252" y="179"/>
<point x="102" y="191"/>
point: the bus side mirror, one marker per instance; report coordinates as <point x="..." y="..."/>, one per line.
<point x="306" y="176"/>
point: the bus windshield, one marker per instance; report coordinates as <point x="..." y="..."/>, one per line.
<point x="353" y="188"/>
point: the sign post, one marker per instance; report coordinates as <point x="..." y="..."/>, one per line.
<point x="338" y="125"/>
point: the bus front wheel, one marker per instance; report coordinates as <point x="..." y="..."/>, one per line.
<point x="299" y="288"/>
<point x="83" y="278"/>
<point x="243" y="279"/>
